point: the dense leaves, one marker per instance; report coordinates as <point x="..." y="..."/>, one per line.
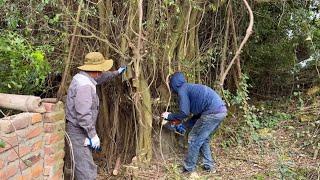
<point x="286" y="34"/>
<point x="31" y="41"/>
<point x="23" y="68"/>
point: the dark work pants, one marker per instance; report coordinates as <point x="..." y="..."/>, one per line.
<point x="85" y="168"/>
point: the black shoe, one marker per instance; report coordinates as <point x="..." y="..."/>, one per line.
<point x="184" y="171"/>
<point x="209" y="169"/>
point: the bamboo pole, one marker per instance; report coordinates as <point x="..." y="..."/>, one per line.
<point x="21" y="103"/>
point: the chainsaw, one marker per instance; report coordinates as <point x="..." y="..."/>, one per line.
<point x="176" y="126"/>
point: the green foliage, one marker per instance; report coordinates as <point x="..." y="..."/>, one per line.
<point x="253" y="120"/>
<point x="259" y="177"/>
<point x="298" y="95"/>
<point x="23" y="68"/>
<point x="2" y="144"/>
<point x="173" y="171"/>
<point x="29" y="39"/>
<point x="38" y="23"/>
<point x="286" y="33"/>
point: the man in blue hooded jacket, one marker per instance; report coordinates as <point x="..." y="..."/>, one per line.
<point x="207" y="106"/>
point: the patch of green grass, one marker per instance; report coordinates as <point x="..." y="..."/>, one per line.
<point x="259" y="177"/>
<point x="173" y="171"/>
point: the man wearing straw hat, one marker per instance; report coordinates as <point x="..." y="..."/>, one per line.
<point x="82" y="111"/>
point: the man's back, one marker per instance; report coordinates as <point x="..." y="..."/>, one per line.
<point x="203" y="99"/>
<point x="194" y="98"/>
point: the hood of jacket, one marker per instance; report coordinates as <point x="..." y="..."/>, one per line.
<point x="176" y="81"/>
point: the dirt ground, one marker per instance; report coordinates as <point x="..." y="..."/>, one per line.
<point x="278" y="154"/>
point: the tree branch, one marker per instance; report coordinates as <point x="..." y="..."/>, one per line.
<point x="245" y="39"/>
<point x="68" y="62"/>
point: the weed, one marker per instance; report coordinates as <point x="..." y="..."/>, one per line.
<point x="2" y="144"/>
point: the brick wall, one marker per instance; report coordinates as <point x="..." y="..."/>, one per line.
<point x="34" y="144"/>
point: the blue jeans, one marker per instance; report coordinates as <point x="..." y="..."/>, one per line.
<point x="199" y="140"/>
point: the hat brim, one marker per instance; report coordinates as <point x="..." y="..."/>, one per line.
<point x="105" y="66"/>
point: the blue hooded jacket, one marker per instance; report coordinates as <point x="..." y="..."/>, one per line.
<point x="197" y="99"/>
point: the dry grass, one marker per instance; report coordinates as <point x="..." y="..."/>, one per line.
<point x="280" y="155"/>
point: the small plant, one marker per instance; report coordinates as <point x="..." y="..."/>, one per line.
<point x="298" y="95"/>
<point x="255" y="118"/>
<point x="2" y="144"/>
<point x="174" y="171"/>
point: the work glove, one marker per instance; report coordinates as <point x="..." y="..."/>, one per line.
<point x="180" y="128"/>
<point x="122" y="69"/>
<point x="94" y="142"/>
<point x="165" y="115"/>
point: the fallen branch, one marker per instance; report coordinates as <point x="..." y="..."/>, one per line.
<point x="116" y="167"/>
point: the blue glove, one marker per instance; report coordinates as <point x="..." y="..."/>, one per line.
<point x="122" y="69"/>
<point x="181" y="129"/>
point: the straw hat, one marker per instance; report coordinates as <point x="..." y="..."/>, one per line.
<point x="94" y="61"/>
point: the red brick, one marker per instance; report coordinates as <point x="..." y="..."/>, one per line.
<point x="49" y="107"/>
<point x="10" y="141"/>
<point x="37" y="146"/>
<point x="34" y="159"/>
<point x="36" y="117"/>
<point x="16" y="122"/>
<point x="53" y="159"/>
<point x="1" y="164"/>
<point x="29" y="162"/>
<point x="57" y="175"/>
<point x="12" y="154"/>
<point x="49" y="161"/>
<point x="11" y="170"/>
<point x="52" y="138"/>
<point x="34" y="132"/>
<point x="48" y="150"/>
<point x="54" y="127"/>
<point x="36" y="170"/>
<point x="47" y="170"/>
<point x="59" y="106"/>
<point x="54" y="116"/>
<point x="26" y="175"/>
<point x="51" y="170"/>
<point x="2" y="174"/>
<point x="51" y="149"/>
<point x="23" y="165"/>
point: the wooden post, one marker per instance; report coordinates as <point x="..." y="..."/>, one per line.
<point x="21" y="102"/>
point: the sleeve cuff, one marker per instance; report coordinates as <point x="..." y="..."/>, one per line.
<point x="170" y="117"/>
<point x="92" y="133"/>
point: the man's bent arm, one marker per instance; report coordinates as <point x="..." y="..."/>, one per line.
<point x="105" y="76"/>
